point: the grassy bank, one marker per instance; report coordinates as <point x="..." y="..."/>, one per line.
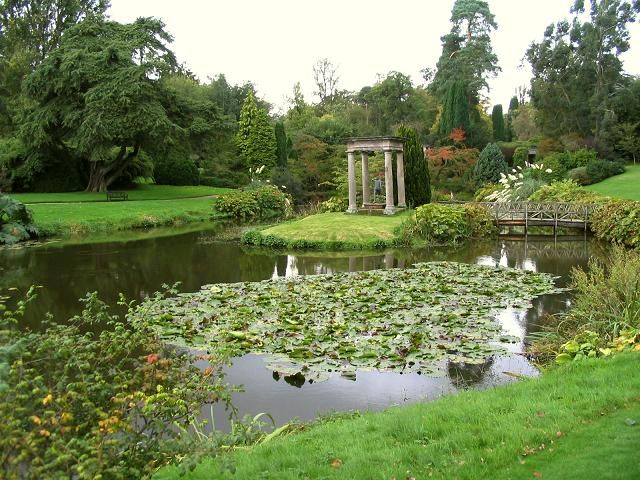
<point x="331" y="230"/>
<point x="620" y="186"/>
<point x="530" y="429"/>
<point x="142" y="192"/>
<point x="66" y="219"/>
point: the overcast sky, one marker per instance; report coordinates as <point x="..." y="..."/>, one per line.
<point x="276" y="43"/>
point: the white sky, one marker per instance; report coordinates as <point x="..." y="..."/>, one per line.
<point x="276" y="43"/>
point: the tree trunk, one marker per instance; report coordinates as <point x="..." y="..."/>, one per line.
<point x="102" y="174"/>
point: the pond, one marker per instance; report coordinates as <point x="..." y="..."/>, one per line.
<point x="140" y="266"/>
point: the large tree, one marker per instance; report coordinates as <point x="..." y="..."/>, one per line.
<point x="255" y="138"/>
<point x="100" y="96"/>
<point x="29" y="30"/>
<point x="577" y="67"/>
<point x="467" y="58"/>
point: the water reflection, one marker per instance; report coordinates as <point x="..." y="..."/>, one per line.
<point x="137" y="268"/>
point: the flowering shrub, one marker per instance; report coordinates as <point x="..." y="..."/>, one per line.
<point x="521" y="183"/>
<point x="84" y="405"/>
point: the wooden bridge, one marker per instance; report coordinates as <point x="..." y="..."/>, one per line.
<point x="533" y="214"/>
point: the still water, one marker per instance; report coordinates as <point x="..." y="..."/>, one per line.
<point x="140" y="267"/>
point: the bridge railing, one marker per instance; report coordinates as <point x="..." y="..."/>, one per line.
<point x="558" y="213"/>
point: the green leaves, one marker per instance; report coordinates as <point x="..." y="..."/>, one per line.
<point x="395" y="320"/>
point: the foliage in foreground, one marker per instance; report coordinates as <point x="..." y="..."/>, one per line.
<point x="16" y="223"/>
<point x="618" y="222"/>
<point x="448" y="224"/>
<point x="113" y="405"/>
<point x="605" y="313"/>
<point x="403" y="320"/>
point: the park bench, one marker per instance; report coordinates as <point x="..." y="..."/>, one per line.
<point x="115" y="196"/>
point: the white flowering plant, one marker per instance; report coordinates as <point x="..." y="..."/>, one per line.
<point x="520" y="184"/>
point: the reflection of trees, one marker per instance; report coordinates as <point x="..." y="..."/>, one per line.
<point x="137" y="268"/>
<point x="466" y="375"/>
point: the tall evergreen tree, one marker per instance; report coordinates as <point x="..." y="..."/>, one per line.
<point x="255" y="138"/>
<point x="497" y="120"/>
<point x="513" y="104"/>
<point x="455" y="109"/>
<point x="467" y="57"/>
<point x="416" y="173"/>
<point x="282" y="150"/>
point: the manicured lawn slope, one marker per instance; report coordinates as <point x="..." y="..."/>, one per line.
<point x="518" y="431"/>
<point x="142" y="192"/>
<point x="339" y="227"/>
<point x="626" y="185"/>
<point x="79" y="218"/>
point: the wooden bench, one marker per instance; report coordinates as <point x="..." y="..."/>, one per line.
<point x="117" y="196"/>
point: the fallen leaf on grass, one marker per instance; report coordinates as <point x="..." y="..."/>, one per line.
<point x="336" y="463"/>
<point x="630" y="422"/>
<point x="537" y="474"/>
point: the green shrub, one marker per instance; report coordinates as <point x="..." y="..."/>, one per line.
<point x="579" y="175"/>
<point x="566" y="191"/>
<point x="447" y="224"/>
<point x="480" y="220"/>
<point x="272" y="202"/>
<point x="16" y="223"/>
<point x="580" y="158"/>
<point x="520" y="157"/>
<point x="598" y="170"/>
<point x="116" y="404"/>
<point x="490" y="165"/>
<point x="334" y="204"/>
<point x="265" y="202"/>
<point x="558" y="163"/>
<point x="175" y="170"/>
<point x="241" y="205"/>
<point x="618" y="222"/>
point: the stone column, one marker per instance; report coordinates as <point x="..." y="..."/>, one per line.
<point x="351" y="164"/>
<point x="402" y="202"/>
<point x="365" y="178"/>
<point x="388" y="182"/>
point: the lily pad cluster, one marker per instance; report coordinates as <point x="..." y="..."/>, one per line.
<point x="401" y="320"/>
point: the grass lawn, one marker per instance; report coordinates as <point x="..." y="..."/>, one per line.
<point x="82" y="218"/>
<point x="569" y="423"/>
<point x="142" y="192"/>
<point x="626" y="185"/>
<point x="341" y="227"/>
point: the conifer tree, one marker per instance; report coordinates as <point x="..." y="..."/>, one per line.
<point x="416" y="173"/>
<point x="490" y="165"/>
<point x="455" y="110"/>
<point x="282" y="151"/>
<point x="255" y="138"/>
<point x="497" y="119"/>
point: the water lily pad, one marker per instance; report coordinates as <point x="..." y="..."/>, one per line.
<point x="393" y="320"/>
